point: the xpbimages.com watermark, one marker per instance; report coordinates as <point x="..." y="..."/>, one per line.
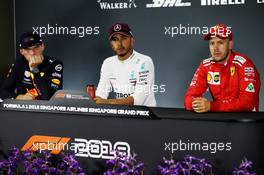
<point x="100" y="149"/>
<point x="212" y="147"/>
<point x="80" y="31"/>
<point x="143" y="89"/>
<point x="181" y="30"/>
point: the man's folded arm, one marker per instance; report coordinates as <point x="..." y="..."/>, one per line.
<point x="197" y="87"/>
<point x="49" y="81"/>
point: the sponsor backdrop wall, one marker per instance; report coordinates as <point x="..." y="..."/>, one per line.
<point x="169" y="31"/>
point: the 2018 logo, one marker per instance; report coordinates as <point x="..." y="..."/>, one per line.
<point x="81" y="147"/>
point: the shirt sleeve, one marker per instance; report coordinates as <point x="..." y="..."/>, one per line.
<point x="197" y="87"/>
<point x="104" y="85"/>
<point x="144" y="82"/>
<point x="10" y="83"/>
<point x="249" y="88"/>
<point x="49" y="80"/>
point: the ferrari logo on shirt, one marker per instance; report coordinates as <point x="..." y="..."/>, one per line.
<point x="232" y="70"/>
<point x="213" y="78"/>
<point x="42" y="74"/>
<point x="250" y="88"/>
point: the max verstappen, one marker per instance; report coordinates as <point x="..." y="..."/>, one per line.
<point x="33" y="76"/>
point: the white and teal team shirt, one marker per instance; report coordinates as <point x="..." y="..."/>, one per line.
<point x="131" y="77"/>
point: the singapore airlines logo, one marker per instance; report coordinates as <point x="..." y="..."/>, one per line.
<point x="106" y="5"/>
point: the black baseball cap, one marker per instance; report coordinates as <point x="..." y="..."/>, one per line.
<point x="29" y="39"/>
<point x="121" y="28"/>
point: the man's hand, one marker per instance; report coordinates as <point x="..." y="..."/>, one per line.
<point x="26" y="96"/>
<point x="99" y="100"/>
<point x="201" y="104"/>
<point x="122" y="101"/>
<point x="34" y="61"/>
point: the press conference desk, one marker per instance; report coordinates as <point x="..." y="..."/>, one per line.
<point x="237" y="135"/>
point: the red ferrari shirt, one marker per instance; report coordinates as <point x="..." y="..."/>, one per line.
<point x="234" y="86"/>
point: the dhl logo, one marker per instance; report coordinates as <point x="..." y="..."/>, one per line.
<point x="50" y="143"/>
